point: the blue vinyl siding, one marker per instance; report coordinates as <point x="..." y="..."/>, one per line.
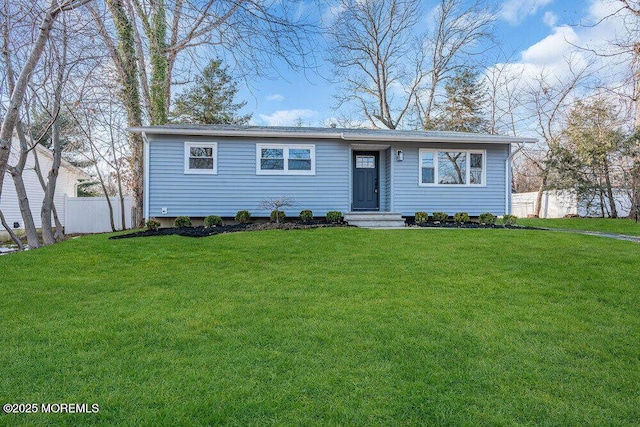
<point x="237" y="186"/>
<point x="410" y="197"/>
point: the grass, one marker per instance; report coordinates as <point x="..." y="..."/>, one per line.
<point x="326" y="326"/>
<point x="606" y="225"/>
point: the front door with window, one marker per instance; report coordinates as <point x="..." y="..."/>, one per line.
<point x="365" y="181"/>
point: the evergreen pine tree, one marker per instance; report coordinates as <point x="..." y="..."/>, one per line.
<point x="210" y="100"/>
<point x="462" y="109"/>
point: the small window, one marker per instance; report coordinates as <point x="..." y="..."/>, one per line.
<point x="428" y="168"/>
<point x="476" y="168"/>
<point x="272" y="159"/>
<point x="462" y="168"/>
<point x="365" y="162"/>
<point x="282" y="159"/>
<point x="200" y="157"/>
<point x="299" y="159"/>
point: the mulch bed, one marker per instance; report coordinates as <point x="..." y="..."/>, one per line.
<point x="204" y="232"/>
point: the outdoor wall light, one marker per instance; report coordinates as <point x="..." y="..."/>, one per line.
<point x="399" y="155"/>
<point x="16" y="225"/>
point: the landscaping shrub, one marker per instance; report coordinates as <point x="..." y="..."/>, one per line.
<point x="421" y="217"/>
<point x="212" y="221"/>
<point x="306" y="215"/>
<point x="440" y="216"/>
<point x="182" y="221"/>
<point x="334" y="217"/>
<point x="487" y="218"/>
<point x="153" y="224"/>
<point x="243" y="217"/>
<point x="461" y="217"/>
<point x="277" y="216"/>
<point x="509" y="219"/>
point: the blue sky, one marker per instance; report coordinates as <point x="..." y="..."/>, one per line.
<point x="535" y="31"/>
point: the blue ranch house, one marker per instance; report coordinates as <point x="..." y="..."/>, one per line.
<point x="198" y="170"/>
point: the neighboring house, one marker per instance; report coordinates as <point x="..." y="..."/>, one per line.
<point x="558" y="204"/>
<point x="217" y="170"/>
<point x="66" y="186"/>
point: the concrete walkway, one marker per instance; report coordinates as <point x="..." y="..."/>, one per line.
<point x="596" y="233"/>
<point x="635" y="239"/>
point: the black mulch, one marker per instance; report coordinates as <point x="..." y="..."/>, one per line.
<point x="204" y="232"/>
<point x="447" y="224"/>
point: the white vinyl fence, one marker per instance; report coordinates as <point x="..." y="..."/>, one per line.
<point x="91" y="214"/>
<point x="557" y="204"/>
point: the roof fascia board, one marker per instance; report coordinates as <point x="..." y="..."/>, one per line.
<point x="350" y="136"/>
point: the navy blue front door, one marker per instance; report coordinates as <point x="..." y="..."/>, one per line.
<point x="365" y="181"/>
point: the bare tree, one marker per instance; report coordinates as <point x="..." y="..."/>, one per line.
<point x="461" y="32"/>
<point x="548" y="98"/>
<point x="102" y="123"/>
<point x="377" y="55"/>
<point x="148" y="41"/>
<point x="624" y="47"/>
<point x="17" y="169"/>
<point x="505" y="87"/>
<point x="276" y="204"/>
<point x="11" y="118"/>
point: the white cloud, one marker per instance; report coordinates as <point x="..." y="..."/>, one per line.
<point x="550" y="19"/>
<point x="515" y="11"/>
<point x="288" y="117"/>
<point x="275" y="97"/>
<point x="552" y="49"/>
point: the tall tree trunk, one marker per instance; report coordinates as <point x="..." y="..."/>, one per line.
<point x="159" y="65"/>
<point x="17" y="95"/>
<point x="126" y="63"/>
<point x="634" y="212"/>
<point x="541" y="190"/>
<point x="609" y="189"/>
<point x="123" y="215"/>
<point x="104" y="190"/>
<point x="47" y="203"/>
<point x="17" y="170"/>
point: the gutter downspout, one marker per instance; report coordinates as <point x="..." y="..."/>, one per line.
<point x="507" y="185"/>
<point x="145" y="165"/>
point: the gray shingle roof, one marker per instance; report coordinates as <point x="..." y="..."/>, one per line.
<point x="349" y="134"/>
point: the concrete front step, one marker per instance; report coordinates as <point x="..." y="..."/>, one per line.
<point x="374" y="219"/>
<point x="377" y="224"/>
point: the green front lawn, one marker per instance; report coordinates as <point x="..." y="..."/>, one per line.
<point x="326" y="326"/>
<point x="605" y="225"/>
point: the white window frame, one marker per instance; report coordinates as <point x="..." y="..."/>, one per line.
<point x="285" y="153"/>
<point x="214" y="152"/>
<point x="436" y="178"/>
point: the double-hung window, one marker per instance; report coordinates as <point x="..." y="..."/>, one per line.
<point x="285" y="159"/>
<point x="201" y="157"/>
<point x="452" y="167"/>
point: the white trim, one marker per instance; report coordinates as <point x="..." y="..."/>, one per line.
<point x="392" y="184"/>
<point x="214" y="154"/>
<point x="362" y="136"/>
<point x="508" y="206"/>
<point x="467" y="173"/>
<point x="370" y="147"/>
<point x="285" y="156"/>
<point x="145" y="196"/>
